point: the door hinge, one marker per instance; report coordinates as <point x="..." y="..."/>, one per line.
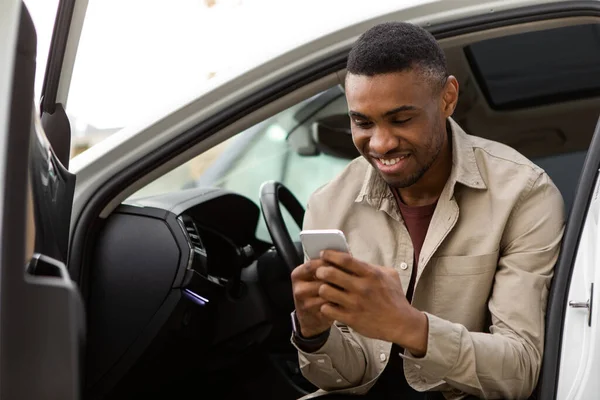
<point x="585" y="304"/>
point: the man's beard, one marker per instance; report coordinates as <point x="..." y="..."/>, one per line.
<point x="414" y="178"/>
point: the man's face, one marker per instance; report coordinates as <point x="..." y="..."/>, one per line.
<point x="398" y="123"/>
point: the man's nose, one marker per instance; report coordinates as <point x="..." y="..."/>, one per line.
<point x="383" y="141"/>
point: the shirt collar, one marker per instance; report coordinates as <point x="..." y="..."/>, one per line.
<point x="464" y="170"/>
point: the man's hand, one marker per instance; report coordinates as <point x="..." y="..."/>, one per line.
<point x="308" y="303"/>
<point x="370" y="300"/>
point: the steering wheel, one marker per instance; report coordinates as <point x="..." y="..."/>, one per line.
<point x="272" y="195"/>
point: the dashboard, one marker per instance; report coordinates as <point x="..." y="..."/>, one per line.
<point x="179" y="274"/>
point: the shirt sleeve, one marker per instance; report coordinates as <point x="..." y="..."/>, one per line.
<point x="506" y="362"/>
<point x="340" y="363"/>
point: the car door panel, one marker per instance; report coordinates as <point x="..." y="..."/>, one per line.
<point x="580" y="354"/>
<point x="41" y="312"/>
<point x="571" y="353"/>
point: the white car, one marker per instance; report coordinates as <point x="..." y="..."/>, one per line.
<point x="150" y="269"/>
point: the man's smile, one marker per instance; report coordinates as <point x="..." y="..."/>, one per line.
<point x="392" y="165"/>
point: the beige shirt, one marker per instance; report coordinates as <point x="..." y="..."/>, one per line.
<point x="483" y="274"/>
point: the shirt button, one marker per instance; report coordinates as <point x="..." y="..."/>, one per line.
<point x="382" y="357"/>
<point x="338" y="380"/>
<point x="403" y="265"/>
<point x="321" y="361"/>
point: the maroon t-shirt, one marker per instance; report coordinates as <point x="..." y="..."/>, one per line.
<point x="392" y="382"/>
<point x="417" y="221"/>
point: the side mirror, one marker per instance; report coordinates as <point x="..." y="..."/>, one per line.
<point x="333" y="136"/>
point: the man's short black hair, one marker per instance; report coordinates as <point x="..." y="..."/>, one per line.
<point x="396" y="47"/>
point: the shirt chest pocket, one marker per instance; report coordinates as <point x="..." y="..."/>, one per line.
<point x="462" y="287"/>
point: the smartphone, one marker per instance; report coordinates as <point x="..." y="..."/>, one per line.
<point x="317" y="240"/>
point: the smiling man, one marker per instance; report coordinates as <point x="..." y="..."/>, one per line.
<point x="453" y="241"/>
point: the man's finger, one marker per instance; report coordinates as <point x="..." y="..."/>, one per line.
<point x="313" y="303"/>
<point x="334" y="295"/>
<point x="335" y="276"/>
<point x="306" y="271"/>
<point x="307" y="289"/>
<point x="336" y="313"/>
<point x="345" y="261"/>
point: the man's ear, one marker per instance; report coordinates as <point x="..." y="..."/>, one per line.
<point x="449" y="96"/>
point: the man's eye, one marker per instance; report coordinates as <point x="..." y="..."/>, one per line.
<point x="362" y="124"/>
<point x="401" y="121"/>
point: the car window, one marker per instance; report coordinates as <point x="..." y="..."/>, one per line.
<point x="539" y="67"/>
<point x="266" y="151"/>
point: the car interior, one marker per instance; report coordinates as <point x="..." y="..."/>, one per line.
<point x="189" y="290"/>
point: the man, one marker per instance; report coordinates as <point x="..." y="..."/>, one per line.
<point x="453" y="239"/>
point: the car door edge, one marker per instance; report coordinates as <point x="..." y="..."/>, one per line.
<point x="41" y="327"/>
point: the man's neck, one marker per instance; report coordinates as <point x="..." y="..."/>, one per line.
<point x="428" y="189"/>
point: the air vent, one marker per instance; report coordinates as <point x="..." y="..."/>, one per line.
<point x="198" y="256"/>
<point x="192" y="232"/>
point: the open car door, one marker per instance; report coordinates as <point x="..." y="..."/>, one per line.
<point x="41" y="330"/>
<point x="572" y="356"/>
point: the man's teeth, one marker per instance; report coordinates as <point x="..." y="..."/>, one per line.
<point x="391" y="161"/>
